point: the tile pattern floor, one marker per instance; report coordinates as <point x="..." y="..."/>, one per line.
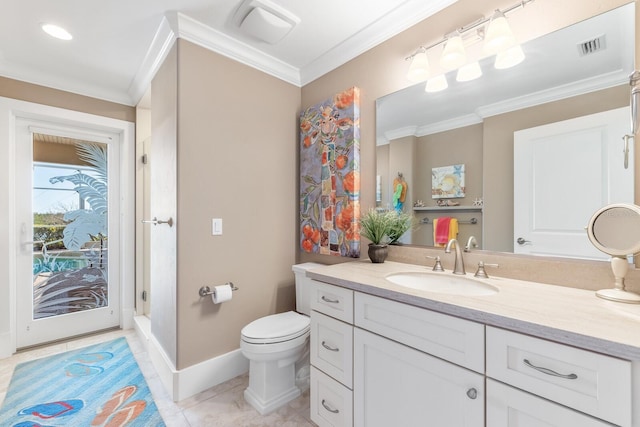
<point x="222" y="405"/>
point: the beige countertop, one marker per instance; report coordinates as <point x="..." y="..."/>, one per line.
<point x="569" y="316"/>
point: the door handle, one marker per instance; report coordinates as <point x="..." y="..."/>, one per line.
<point x="521" y="241"/>
<point x="156" y="221"/>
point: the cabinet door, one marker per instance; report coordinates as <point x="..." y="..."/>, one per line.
<point x="509" y="407"/>
<point x="395" y="385"/>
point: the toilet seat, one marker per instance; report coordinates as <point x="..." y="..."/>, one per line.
<point x="276" y="328"/>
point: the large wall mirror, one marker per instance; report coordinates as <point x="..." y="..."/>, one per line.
<point x="571" y="93"/>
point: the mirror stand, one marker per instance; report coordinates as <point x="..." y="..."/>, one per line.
<point x="620" y="266"/>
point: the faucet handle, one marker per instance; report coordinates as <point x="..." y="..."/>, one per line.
<point x="438" y="265"/>
<point x="481" y="271"/>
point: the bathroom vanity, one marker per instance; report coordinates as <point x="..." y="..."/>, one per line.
<point x="524" y="354"/>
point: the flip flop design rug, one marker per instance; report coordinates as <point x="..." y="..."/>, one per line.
<point x="99" y="386"/>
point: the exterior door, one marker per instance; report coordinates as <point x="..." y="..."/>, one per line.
<point x="67" y="211"/>
<point x="563" y="173"/>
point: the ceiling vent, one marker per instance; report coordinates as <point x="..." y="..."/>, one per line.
<point x="265" y="21"/>
<point x="592" y="46"/>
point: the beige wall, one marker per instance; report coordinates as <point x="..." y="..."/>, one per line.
<point x="237" y="160"/>
<point x="23" y="91"/>
<point x="381" y="71"/>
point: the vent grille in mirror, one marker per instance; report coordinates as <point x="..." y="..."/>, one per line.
<point x="592" y="46"/>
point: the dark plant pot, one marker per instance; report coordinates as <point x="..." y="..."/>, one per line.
<point x="378" y="253"/>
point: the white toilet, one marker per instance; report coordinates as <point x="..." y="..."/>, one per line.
<point x="277" y="347"/>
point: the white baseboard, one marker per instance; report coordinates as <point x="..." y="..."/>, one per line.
<point x="7" y="345"/>
<point x="184" y="383"/>
<point x="126" y="321"/>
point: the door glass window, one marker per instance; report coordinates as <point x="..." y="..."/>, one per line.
<point x="70" y="227"/>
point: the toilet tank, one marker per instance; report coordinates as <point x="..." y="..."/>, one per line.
<point x="303" y="286"/>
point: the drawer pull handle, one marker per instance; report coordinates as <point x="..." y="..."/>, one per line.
<point x="329" y="300"/>
<point x="549" y="371"/>
<point x="328" y="347"/>
<point x="472" y="393"/>
<point x="329" y="408"/>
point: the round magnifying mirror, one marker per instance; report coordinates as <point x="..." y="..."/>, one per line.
<point x="615" y="230"/>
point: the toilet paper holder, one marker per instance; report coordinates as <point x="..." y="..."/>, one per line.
<point x="206" y="290"/>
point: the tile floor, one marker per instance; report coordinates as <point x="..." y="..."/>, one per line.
<point x="222" y="405"/>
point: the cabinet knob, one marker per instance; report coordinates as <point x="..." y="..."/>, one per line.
<point x="472" y="393"/>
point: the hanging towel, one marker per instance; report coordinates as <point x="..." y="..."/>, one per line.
<point x="444" y="229"/>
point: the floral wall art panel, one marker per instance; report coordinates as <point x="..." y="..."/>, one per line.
<point x="330" y="176"/>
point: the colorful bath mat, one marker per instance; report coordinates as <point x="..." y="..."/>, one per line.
<point x="99" y="386"/>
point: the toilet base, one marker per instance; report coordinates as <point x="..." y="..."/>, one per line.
<point x="265" y="407"/>
<point x="270" y="386"/>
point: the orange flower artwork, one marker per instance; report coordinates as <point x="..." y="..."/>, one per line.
<point x="330" y="176"/>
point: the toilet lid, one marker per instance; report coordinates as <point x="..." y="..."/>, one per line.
<point x="276" y="328"/>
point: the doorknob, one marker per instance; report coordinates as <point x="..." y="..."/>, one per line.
<point x="522" y="241"/>
<point x="156" y="221"/>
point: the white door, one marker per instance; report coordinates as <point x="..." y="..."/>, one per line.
<point x="563" y="173"/>
<point x="67" y="211"/>
<point x="395" y="385"/>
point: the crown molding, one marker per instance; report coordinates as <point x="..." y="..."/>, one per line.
<point x="160" y="46"/>
<point x="394" y="23"/>
<point x="445" y="125"/>
<point x="581" y="87"/>
<point x="196" y="32"/>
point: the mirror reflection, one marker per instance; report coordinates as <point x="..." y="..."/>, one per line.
<point x="571" y="92"/>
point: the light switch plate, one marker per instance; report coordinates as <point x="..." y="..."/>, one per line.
<point x="216" y="227"/>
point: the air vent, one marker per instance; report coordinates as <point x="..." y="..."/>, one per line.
<point x="592" y="46"/>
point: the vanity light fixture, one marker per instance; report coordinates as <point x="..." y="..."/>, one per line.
<point x="453" y="54"/>
<point x="469" y="72"/>
<point x="498" y="38"/>
<point x="436" y="84"/>
<point x="56" y="31"/>
<point x="419" y="68"/>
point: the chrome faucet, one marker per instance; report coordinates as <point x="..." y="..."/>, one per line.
<point x="472" y="242"/>
<point x="458" y="266"/>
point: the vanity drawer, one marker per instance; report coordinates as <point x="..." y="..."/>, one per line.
<point x="331" y="402"/>
<point x="332" y="347"/>
<point x="456" y="340"/>
<point x="589" y="382"/>
<point x="509" y="407"/>
<point x="333" y="301"/>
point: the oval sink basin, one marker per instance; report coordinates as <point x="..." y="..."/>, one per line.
<point x="444" y="283"/>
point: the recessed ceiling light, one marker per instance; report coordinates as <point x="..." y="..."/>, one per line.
<point x="56" y="31"/>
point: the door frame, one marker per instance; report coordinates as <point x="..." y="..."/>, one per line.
<point x="10" y="111"/>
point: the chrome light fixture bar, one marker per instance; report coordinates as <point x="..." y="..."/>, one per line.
<point x="498" y="38"/>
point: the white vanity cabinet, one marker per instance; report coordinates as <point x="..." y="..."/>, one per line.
<point x="331" y="355"/>
<point x="397" y="385"/>
<point x="580" y="380"/>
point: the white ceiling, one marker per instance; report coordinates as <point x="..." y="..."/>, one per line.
<point x="117" y="43"/>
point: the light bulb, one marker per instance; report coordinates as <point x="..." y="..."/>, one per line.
<point x="56" y="31"/>
<point x="499" y="35"/>
<point x="419" y="68"/>
<point x="469" y="72"/>
<point x="509" y="58"/>
<point x="436" y="84"/>
<point x="453" y="55"/>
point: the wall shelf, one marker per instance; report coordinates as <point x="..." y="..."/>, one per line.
<point x="448" y="209"/>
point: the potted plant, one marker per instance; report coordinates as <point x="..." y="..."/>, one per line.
<point x="400" y="224"/>
<point x="375" y="226"/>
